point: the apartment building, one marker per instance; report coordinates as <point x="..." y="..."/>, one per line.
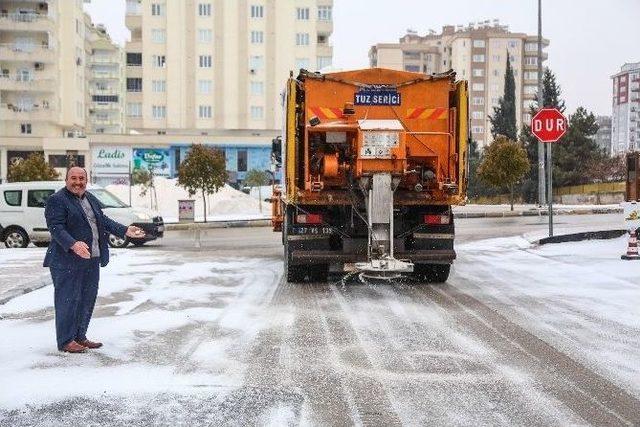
<point x="200" y="65"/>
<point x="105" y="92"/>
<point x="603" y="137"/>
<point x="478" y="53"/>
<point x="625" y="119"/>
<point x="42" y="80"/>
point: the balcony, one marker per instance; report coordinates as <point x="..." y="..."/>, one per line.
<point x="37" y="113"/>
<point x="105" y="75"/>
<point x="104" y="60"/>
<point x="324" y="26"/>
<point x="16" y="53"/>
<point x="26" y="22"/>
<point x="108" y="91"/>
<point x="133" y="17"/>
<point x="105" y="106"/>
<point x="104" y="121"/>
<point x="21" y="84"/>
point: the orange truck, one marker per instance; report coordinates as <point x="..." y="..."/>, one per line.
<point x="372" y="162"/>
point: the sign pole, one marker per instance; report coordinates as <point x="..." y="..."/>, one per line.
<point x="550" y="187"/>
<point x="541" y="149"/>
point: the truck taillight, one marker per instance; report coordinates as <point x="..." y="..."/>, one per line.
<point x="436" y="219"/>
<point x="309" y="219"/>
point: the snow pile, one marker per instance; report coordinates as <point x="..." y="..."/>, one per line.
<point x="227" y="204"/>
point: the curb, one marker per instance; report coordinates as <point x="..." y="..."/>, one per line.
<point x="578" y="237"/>
<point x="217" y="224"/>
<point x="509" y="214"/>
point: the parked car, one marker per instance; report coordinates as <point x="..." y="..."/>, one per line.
<point x="22" y="215"/>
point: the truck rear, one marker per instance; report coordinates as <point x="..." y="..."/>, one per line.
<point x="372" y="161"/>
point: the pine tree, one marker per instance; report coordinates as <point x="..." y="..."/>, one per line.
<point x="503" y="121"/>
<point x="203" y="170"/>
<point x="34" y="168"/>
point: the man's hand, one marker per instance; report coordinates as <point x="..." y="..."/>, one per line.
<point x="135" y="232"/>
<point x="81" y="249"/>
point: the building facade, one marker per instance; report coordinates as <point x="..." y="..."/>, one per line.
<point x="199" y="65"/>
<point x="105" y="93"/>
<point x="478" y="53"/>
<point x="625" y="130"/>
<point x="603" y="137"/>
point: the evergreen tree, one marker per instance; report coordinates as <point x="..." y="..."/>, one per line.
<point x="203" y="170"/>
<point x="476" y="187"/>
<point x="503" y="121"/>
<point x="504" y="164"/>
<point x="34" y="168"/>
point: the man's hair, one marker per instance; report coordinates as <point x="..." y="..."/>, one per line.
<point x="85" y="172"/>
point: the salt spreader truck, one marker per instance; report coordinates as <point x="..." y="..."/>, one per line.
<point x="372" y="162"/>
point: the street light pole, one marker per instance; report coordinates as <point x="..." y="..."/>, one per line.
<point x="541" y="177"/>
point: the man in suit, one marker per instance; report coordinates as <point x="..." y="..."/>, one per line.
<point x="79" y="232"/>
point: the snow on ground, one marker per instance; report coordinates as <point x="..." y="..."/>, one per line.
<point x="580" y="297"/>
<point x="205" y="313"/>
<point x="228" y="203"/>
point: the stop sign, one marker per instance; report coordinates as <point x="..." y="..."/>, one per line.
<point x="548" y="125"/>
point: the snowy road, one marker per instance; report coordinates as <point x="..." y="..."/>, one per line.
<point x="520" y="335"/>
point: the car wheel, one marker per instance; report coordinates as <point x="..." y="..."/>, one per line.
<point x="117" y="242"/>
<point x="41" y="244"/>
<point x="16" y="238"/>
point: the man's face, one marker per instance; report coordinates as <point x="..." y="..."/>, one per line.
<point x="76" y="181"/>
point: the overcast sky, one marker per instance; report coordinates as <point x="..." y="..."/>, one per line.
<point x="590" y="39"/>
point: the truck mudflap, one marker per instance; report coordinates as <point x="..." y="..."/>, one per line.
<point x="439" y="256"/>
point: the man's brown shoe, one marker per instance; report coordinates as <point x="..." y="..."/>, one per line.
<point x="74" y="347"/>
<point x="90" y="344"/>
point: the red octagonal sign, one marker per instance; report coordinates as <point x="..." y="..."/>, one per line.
<point x="548" y="125"/>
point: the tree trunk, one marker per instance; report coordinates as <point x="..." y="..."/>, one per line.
<point x="204" y="202"/>
<point x="511" y="196"/>
<point x="260" y="198"/>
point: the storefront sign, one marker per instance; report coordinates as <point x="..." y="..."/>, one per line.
<point x="111" y="161"/>
<point x="156" y="160"/>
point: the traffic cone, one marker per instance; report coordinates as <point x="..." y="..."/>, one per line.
<point x="632" y="250"/>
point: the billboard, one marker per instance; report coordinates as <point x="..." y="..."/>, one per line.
<point x="110" y="160"/>
<point x="157" y="160"/>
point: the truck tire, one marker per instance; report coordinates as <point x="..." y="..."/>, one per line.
<point x="432" y="273"/>
<point x="294" y="273"/>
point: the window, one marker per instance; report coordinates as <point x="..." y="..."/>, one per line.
<point x="38" y="198"/>
<point x="157" y="9"/>
<point x="530" y="90"/>
<point x="478" y="43"/>
<point x="63" y="161"/>
<point x="205" y="61"/>
<point x="256" y="62"/>
<point x="323" y="61"/>
<point x="103" y="99"/>
<point x="257" y="88"/>
<point x="257" y="11"/>
<point x="302" y="13"/>
<point x="134" y="109"/>
<point x="159" y="85"/>
<point x="530" y="60"/>
<point x="134" y="84"/>
<point x="478" y="100"/>
<point x="257" y="37"/>
<point x="526" y="117"/>
<point x="478" y="58"/>
<point x="496" y="73"/>
<point x="302" y="63"/>
<point x="159" y="36"/>
<point x="158" y="61"/>
<point x="134" y="59"/>
<point x="25" y="128"/>
<point x="411" y="54"/>
<point x="13" y="197"/>
<point x="257" y="113"/>
<point x="204" y="9"/>
<point x="324" y="13"/>
<point x="531" y="47"/>
<point x="531" y="75"/>
<point x="205" y="36"/>
<point x="477" y="87"/>
<point x="496" y="58"/>
<point x="159" y="111"/>
<point x="242" y="160"/>
<point x="204" y="111"/>
<point x="412" y="68"/>
<point x="477" y="129"/>
<point x="302" y="39"/>
<point x="204" y="86"/>
<point x="477" y="115"/>
<point x="478" y="72"/>
<point x="513" y="44"/>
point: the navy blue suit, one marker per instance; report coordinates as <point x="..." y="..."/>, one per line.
<point x="75" y="279"/>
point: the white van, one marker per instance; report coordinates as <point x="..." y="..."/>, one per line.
<point x="22" y="214"/>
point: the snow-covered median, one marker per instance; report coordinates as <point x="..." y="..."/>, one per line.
<point x="580" y="297"/>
